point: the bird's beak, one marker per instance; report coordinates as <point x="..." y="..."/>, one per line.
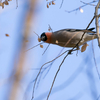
<point x="39" y="39"/>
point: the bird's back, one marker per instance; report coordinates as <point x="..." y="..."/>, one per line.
<point x="72" y="36"/>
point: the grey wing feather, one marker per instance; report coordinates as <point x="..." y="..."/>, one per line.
<point x="82" y="30"/>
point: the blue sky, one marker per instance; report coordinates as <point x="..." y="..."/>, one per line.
<point x="77" y="79"/>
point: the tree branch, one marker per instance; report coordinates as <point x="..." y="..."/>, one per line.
<point x="61" y="3"/>
<point x="18" y="69"/>
<point x="80" y="7"/>
<point x="56" y="75"/>
<point x="97" y="22"/>
<point x="88" y="3"/>
<point x="42" y="68"/>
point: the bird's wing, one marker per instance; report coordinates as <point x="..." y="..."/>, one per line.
<point x="91" y="29"/>
<point x="77" y="30"/>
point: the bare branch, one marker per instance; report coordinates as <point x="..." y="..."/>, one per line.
<point x="88" y="3"/>
<point x="18" y="70"/>
<point x="56" y="75"/>
<point x="50" y="29"/>
<point x="40" y="72"/>
<point x="46" y="49"/>
<point x="34" y="46"/>
<point x="80" y="7"/>
<point x="96" y="22"/>
<point x="61" y="3"/>
<point x="95" y="60"/>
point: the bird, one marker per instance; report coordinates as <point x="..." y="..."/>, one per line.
<point x="72" y="36"/>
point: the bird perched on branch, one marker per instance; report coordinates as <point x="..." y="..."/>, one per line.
<point x="68" y="37"/>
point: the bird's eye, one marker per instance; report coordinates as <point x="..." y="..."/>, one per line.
<point x="43" y="38"/>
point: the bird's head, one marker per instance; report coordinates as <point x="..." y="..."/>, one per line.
<point x="46" y="37"/>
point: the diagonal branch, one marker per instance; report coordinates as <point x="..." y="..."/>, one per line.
<point x="56" y="75"/>
<point x="84" y="33"/>
<point x="61" y="3"/>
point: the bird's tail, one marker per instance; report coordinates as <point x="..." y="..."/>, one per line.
<point x="90" y="36"/>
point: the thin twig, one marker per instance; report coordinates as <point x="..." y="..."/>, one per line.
<point x="40" y="72"/>
<point x="61" y="4"/>
<point x="50" y="28"/>
<point x="48" y="69"/>
<point x="87" y="3"/>
<point x="36" y="34"/>
<point x="79" y="7"/>
<point x="56" y="75"/>
<point x="95" y="60"/>
<point x="46" y="49"/>
<point x="34" y="46"/>
<point x="42" y="67"/>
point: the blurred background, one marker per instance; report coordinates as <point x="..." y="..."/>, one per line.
<point x="77" y="79"/>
